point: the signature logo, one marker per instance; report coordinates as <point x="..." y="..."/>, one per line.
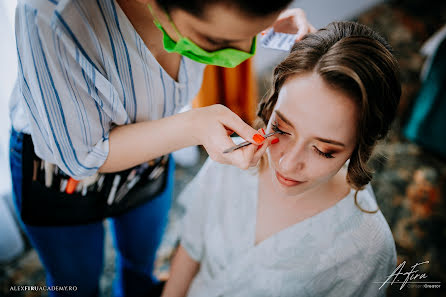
<point x="411" y="277"/>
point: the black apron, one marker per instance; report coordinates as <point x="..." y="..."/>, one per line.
<point x="49" y="206"/>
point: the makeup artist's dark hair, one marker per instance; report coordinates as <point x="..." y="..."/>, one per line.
<point x="249" y="7"/>
<point x="356" y="60"/>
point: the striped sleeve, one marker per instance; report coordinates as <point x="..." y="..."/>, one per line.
<point x="69" y="100"/>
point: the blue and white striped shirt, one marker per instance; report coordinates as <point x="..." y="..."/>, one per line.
<point x="82" y="70"/>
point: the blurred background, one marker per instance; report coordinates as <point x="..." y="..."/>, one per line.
<point x="410" y="167"/>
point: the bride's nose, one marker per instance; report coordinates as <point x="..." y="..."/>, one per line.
<point x="293" y="160"/>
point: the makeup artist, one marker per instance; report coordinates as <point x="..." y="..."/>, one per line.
<point x="94" y="116"/>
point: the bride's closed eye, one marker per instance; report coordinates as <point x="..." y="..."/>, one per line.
<point x="321" y="153"/>
<point x="275" y="128"/>
<point x="328" y="155"/>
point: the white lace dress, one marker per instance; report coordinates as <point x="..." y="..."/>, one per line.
<point x="338" y="252"/>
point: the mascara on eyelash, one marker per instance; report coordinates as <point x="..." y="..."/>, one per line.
<point x="275" y="128"/>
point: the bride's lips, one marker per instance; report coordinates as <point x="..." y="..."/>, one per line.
<point x="287" y="182"/>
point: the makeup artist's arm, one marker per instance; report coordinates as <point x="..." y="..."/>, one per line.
<point x="133" y="144"/>
<point x="182" y="271"/>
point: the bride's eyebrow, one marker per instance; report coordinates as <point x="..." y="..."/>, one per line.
<point x="284" y="119"/>
<point x="330" y="141"/>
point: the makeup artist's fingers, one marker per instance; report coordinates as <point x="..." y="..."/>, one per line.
<point x="274" y="140"/>
<point x="259" y="153"/>
<point x="217" y="142"/>
<point x="293" y="21"/>
<point x="302" y="23"/>
<point x="247" y="154"/>
<point x="260" y="150"/>
<point x="261" y="132"/>
<point x="213" y="124"/>
<point x="312" y="29"/>
<point x="233" y="122"/>
<point x="242" y="158"/>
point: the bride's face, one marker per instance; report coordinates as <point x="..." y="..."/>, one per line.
<point x="322" y="124"/>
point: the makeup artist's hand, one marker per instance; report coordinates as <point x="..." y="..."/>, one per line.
<point x="293" y="21"/>
<point x="214" y="124"/>
<point x="261" y="149"/>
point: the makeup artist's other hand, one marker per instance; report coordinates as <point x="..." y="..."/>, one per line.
<point x="293" y="21"/>
<point x="214" y="124"/>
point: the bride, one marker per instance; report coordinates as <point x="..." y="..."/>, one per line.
<point x="305" y="221"/>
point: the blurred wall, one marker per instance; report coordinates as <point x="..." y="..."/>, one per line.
<point x="11" y="243"/>
<point x="8" y="72"/>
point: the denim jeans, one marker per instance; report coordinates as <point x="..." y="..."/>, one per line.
<point x="74" y="255"/>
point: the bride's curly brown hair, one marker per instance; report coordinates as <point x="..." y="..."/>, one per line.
<point x="356" y="60"/>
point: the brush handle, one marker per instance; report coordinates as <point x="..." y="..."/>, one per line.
<point x="246" y="143"/>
